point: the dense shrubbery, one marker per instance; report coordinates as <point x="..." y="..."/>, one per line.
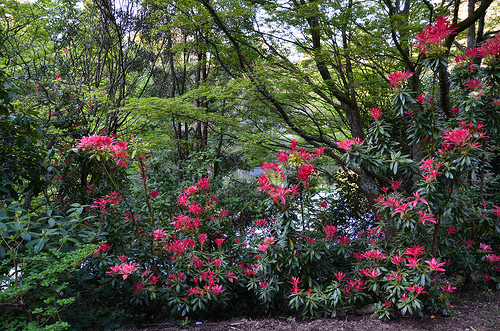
<point x="170" y="250"/>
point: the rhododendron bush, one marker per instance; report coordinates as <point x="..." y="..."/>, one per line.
<point x="178" y="251"/>
<point x="435" y="225"/>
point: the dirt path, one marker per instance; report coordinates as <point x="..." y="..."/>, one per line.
<point x="475" y="312"/>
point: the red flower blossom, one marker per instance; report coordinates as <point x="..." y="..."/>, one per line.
<point x="329" y="231"/>
<point x="310" y="240"/>
<point x="415" y="251"/>
<point x="202" y="237"/>
<point x="305" y="171"/>
<point x="401" y="208"/>
<point x="470" y="243"/>
<point x="126" y="269"/>
<point x="395" y="184"/>
<point x="261" y="222"/>
<point x="138" y="287"/>
<point x="190" y="190"/>
<point x="491" y="48"/>
<point x="484" y="247"/>
<point x="159" y="234"/>
<point x="319" y="151"/>
<point x="374" y="254"/>
<point x="431" y="40"/>
<point x="346" y="144"/>
<point x="264" y="285"/>
<point x="448" y="288"/>
<point x="344" y="240"/>
<point x="396" y="79"/>
<point x="416" y="198"/>
<point x="435" y="265"/>
<point x="370" y="273"/>
<point x="412" y="262"/>
<point x="182" y="200"/>
<point x="122" y="258"/>
<point x="295" y="285"/>
<point x="492" y="258"/>
<point x="154" y="194"/>
<point x="496" y="211"/>
<point x="473" y="84"/>
<point x="203" y="184"/>
<point x="419" y="289"/>
<point x="396" y="259"/>
<point x="459" y="137"/>
<point x="339" y="275"/>
<point x="426" y="217"/>
<point x="376" y="113"/>
<point x="268" y="241"/>
<point x="283" y="157"/>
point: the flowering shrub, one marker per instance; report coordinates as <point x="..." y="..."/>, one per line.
<point x="435" y="224"/>
<point x="443" y="201"/>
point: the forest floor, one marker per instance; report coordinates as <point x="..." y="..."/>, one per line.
<point x="474" y="312"/>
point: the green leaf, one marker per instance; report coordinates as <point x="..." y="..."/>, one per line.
<point x="39" y="246"/>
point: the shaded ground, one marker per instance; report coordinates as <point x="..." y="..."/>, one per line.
<point x="475" y="312"/>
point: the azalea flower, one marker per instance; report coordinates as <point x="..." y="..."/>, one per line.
<point x="262" y="248"/>
<point x="126" y="269"/>
<point x="346" y="144"/>
<point x="426" y="217"/>
<point x="484" y="247"/>
<point x="397" y="79"/>
<point x="264" y="285"/>
<point x="339" y="275"/>
<point x="138" y="287"/>
<point x="295" y="284"/>
<point x="159" y="234"/>
<point x="154" y="194"/>
<point x="370" y="273"/>
<point x="376" y="113"/>
<point x="396" y="259"/>
<point x="419" y="289"/>
<point x="329" y="231"/>
<point x="435" y="265"/>
<point x="448" y="288"/>
<point x="415" y="251"/>
<point x="374" y="254"/>
<point x="492" y="258"/>
<point x="473" y="84"/>
<point x="412" y="262"/>
<point x="216" y="289"/>
<point x="431" y="40"/>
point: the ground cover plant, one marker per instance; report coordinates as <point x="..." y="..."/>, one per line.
<point x="131" y="235"/>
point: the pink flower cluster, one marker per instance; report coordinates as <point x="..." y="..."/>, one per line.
<point x="398" y="78"/>
<point x="124" y="269"/>
<point x="430" y="169"/>
<point x="105" y="144"/>
<point x="431" y="40"/>
<point x="275" y="172"/>
<point x="346" y="144"/>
